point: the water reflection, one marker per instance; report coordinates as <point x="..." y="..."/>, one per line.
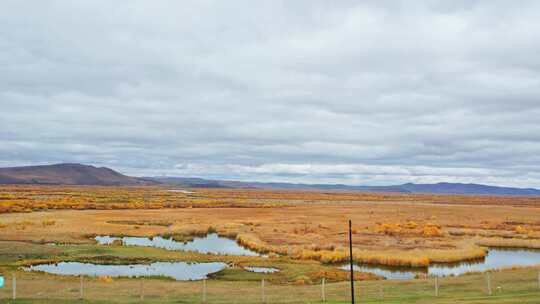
<point x="211" y="243"/>
<point x="388" y="272"/>
<point x="180" y="271"/>
<point x="261" y="269"/>
<point x="496" y="258"/>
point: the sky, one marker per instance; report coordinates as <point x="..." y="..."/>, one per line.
<point x="353" y="92"/>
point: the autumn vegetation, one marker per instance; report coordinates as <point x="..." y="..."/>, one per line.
<point x="25" y="199"/>
<point x="390" y="229"/>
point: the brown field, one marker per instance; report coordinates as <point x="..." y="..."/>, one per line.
<point x="389" y="229"/>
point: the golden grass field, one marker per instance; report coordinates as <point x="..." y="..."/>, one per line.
<point x="303" y="232"/>
<point x="391" y="229"/>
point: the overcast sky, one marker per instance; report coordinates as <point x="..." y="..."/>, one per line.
<point x="355" y="92"/>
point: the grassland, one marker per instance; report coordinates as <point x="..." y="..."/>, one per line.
<point x="511" y="286"/>
<point x="408" y="230"/>
<point x="303" y="232"/>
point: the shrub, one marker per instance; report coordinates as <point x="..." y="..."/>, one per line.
<point x="520" y="230"/>
<point x="46" y="223"/>
<point x="431" y="230"/>
<point x="105" y="279"/>
<point x="388" y="229"/>
<point x="411" y="225"/>
<point x="302" y="280"/>
<point x="117" y="243"/>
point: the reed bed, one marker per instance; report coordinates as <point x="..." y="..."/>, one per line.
<point x="511" y="243"/>
<point x="412" y="258"/>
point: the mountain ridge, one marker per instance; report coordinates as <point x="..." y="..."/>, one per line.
<point x="80" y="174"/>
<point x="69" y="174"/>
<point x="436" y="188"/>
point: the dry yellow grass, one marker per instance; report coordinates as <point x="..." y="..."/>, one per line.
<point x="517" y="243"/>
<point x="390" y="229"/>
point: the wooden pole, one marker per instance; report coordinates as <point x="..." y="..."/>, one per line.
<point x="14" y="287"/>
<point x="81" y="288"/>
<point x="436" y="286"/>
<point x="488" y="282"/>
<point x="263" y="296"/>
<point x="351" y="261"/>
<point x="204" y="291"/>
<point x="141" y="290"/>
<point x="323" y="291"/>
<point x="381" y="291"/>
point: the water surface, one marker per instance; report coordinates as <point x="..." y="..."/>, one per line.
<point x="181" y="271"/>
<point x="181" y="191"/>
<point x="388" y="272"/>
<point x="496" y="258"/>
<point x="261" y="269"/>
<point x="211" y="243"/>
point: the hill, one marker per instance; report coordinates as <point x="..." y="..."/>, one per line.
<point x="459" y="188"/>
<point x="78" y="174"/>
<point x="69" y="174"/>
<point x="438" y="188"/>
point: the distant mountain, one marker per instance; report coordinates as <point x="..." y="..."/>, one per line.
<point x="69" y="174"/>
<point x="439" y="188"/>
<point x="78" y="174"/>
<point x="459" y="188"/>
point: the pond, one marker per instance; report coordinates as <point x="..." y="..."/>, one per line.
<point x="261" y="269"/>
<point x="496" y="258"/>
<point x="181" y="191"/>
<point x="388" y="272"/>
<point x="211" y="243"/>
<point x="181" y="271"/>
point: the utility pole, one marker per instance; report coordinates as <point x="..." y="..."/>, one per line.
<point x="141" y="290"/>
<point x="351" y="261"/>
<point x="204" y="291"/>
<point x="14" y="287"/>
<point x="81" y="288"/>
<point x="323" y="291"/>
<point x="263" y="296"/>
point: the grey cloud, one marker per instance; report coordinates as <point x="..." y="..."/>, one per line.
<point x="357" y="92"/>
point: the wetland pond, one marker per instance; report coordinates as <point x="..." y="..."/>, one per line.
<point x="180" y="271"/>
<point x="496" y="258"/>
<point x="261" y="269"/>
<point x="212" y="243"/>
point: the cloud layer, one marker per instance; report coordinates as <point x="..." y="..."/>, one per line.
<point x="307" y="91"/>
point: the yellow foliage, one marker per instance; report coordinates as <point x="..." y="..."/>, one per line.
<point x="18" y="199"/>
<point x="431" y="230"/>
<point x="388" y="229"/>
<point x="411" y="225"/>
<point x="105" y="279"/>
<point x="520" y="230"/>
